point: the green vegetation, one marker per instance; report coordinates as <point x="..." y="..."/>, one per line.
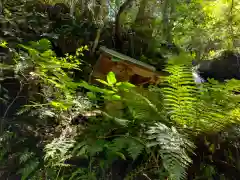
<point x="55" y="125"/>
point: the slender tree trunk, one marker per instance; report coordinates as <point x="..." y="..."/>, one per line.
<point x="72" y="7"/>
<point x="82" y="5"/>
<point x="118" y="33"/>
<point x="144" y="23"/>
<point x="230" y="25"/>
<point x="86" y="14"/>
<point x="166" y="13"/>
<point x="101" y="17"/>
<point x="1" y="7"/>
<point x="141" y="12"/>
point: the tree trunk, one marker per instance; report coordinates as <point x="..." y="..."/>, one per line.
<point x="141" y="11"/>
<point x="167" y="27"/>
<point x="101" y="17"/>
<point x="86" y="14"/>
<point x="144" y="24"/>
<point x="118" y="32"/>
<point x="72" y="7"/>
<point x="1" y="7"/>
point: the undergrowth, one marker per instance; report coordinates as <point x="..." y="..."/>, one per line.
<point x="150" y="133"/>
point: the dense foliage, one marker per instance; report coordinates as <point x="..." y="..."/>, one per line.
<point x="55" y="125"/>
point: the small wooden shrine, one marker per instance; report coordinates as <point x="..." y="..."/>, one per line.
<point x="125" y="68"/>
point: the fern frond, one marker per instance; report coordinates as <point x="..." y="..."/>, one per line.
<point x="77" y="175"/>
<point x="28" y="169"/>
<point x="79" y="148"/>
<point x="173" y="148"/>
<point x="208" y="107"/>
<point x="133" y="147"/>
<point x="180" y="95"/>
<point x="144" y="106"/>
<point x="96" y="147"/>
<point x="218" y="106"/>
<point x="25" y="156"/>
<point x="58" y="151"/>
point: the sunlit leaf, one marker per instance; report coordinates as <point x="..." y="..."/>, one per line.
<point x="125" y="85"/>
<point x="103" y="82"/>
<point x="111" y="78"/>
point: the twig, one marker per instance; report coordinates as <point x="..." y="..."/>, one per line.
<point x="145" y="175"/>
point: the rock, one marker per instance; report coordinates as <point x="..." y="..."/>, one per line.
<point x="224" y="67"/>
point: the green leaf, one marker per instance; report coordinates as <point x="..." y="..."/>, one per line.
<point x="55" y="104"/>
<point x="103" y="82"/>
<point x="95" y="89"/>
<point x="134" y="149"/>
<point x="82" y="152"/>
<point x="58" y="105"/>
<point x="3" y="44"/>
<point x="25" y="156"/>
<point x="41" y="45"/>
<point x="125" y="85"/>
<point x="113" y="97"/>
<point x="91" y="95"/>
<point x="76" y="173"/>
<point x="78" y="147"/>
<point x="111" y="78"/>
<point x="122" y="122"/>
<point x="29" y="168"/>
<point x="114" y="59"/>
<point x="116" y="97"/>
<point x="121" y="155"/>
<point x="212" y="148"/>
<point x="96" y="147"/>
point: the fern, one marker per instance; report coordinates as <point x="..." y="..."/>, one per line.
<point x="40" y="67"/>
<point x="80" y="148"/>
<point x="152" y="123"/>
<point x="5" y="139"/>
<point x="144" y="106"/>
<point x="25" y="156"/>
<point x="217" y="105"/>
<point x="96" y="146"/>
<point x="80" y="174"/>
<point x="180" y="95"/>
<point x="145" y="109"/>
<point x="49" y="70"/>
<point x="172" y="149"/>
<point x="208" y="107"/>
<point x="133" y="147"/>
<point x="58" y="151"/>
<point x="29" y="168"/>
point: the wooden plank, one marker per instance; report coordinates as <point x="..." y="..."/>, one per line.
<point x="126" y="58"/>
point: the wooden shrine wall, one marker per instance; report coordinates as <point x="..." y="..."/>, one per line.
<point x="124" y="71"/>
